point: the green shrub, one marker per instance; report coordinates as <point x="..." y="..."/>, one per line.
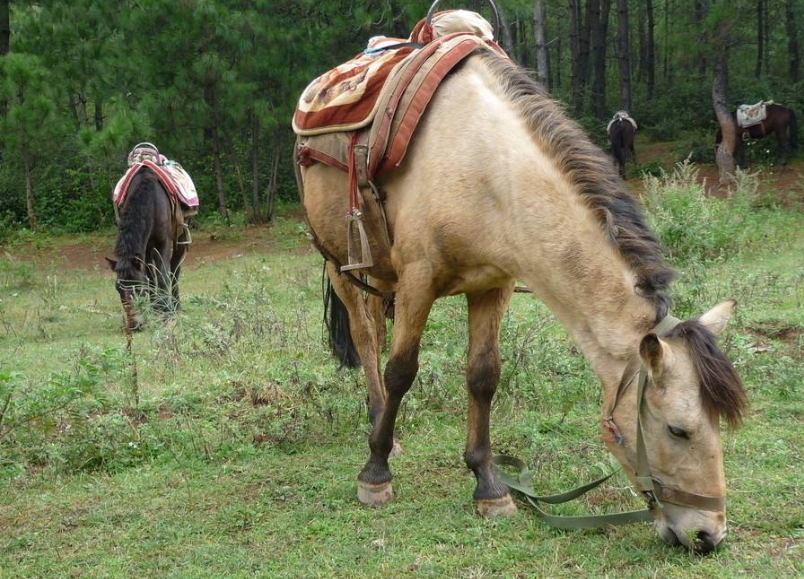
<point x="696" y="147"/>
<point x="692" y="224"/>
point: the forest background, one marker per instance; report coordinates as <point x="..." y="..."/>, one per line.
<point x="214" y="83"/>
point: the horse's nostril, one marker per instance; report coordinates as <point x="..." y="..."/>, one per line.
<point x="705" y="543"/>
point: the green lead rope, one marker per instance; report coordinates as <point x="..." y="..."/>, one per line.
<point x="524" y="486"/>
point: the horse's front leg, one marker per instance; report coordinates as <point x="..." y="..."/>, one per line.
<point x="482" y="375"/>
<point x="414" y="298"/>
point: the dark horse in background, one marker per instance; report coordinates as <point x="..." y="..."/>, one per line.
<point x="622" y="134"/>
<point x="148" y="248"/>
<point x="780" y="120"/>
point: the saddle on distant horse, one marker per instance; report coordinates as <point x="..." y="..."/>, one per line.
<point x="750" y="115"/>
<point x="621" y="116"/>
<point x="360" y="117"/>
<point x="173" y="178"/>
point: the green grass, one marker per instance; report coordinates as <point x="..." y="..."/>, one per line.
<point x="240" y="459"/>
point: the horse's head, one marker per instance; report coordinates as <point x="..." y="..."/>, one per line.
<point x="690" y="385"/>
<point x="130" y="277"/>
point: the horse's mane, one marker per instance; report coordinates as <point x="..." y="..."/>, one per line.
<point x="594" y="177"/>
<point x="130" y="243"/>
<point x="722" y="391"/>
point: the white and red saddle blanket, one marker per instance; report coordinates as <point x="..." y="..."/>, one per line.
<point x="621" y="116"/>
<point x="750" y="115"/>
<point x="347" y="97"/>
<point x="350" y="134"/>
<point x="171" y="175"/>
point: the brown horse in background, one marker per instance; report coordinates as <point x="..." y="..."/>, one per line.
<point x="520" y="193"/>
<point x="780" y="121"/>
<point x="148" y="248"/>
<point x="622" y="135"/>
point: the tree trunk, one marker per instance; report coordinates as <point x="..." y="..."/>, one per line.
<point x="643" y="42"/>
<point x="507" y="39"/>
<point x="599" y="45"/>
<point x="273" y="179"/>
<point x="650" y="50"/>
<point x="99" y="114"/>
<point x="760" y="38"/>
<point x="539" y="19"/>
<point x="5" y="27"/>
<point x="241" y="185"/>
<point x="584" y="39"/>
<point x="29" y="199"/>
<point x="793" y="49"/>
<point x="725" y="149"/>
<point x="624" y="56"/>
<point x="700" y="11"/>
<point x="216" y="160"/>
<point x="255" y="167"/>
<point x="666" y="59"/>
<point x="766" y="32"/>
<point x="575" y="54"/>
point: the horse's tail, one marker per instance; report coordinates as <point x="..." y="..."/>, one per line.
<point x="618" y="142"/>
<point x="336" y="318"/>
<point x="793" y="128"/>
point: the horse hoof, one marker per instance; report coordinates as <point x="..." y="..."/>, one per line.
<point x="396" y="450"/>
<point x="501" y="507"/>
<point x="374" y="495"/>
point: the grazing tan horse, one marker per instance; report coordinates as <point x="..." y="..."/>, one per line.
<point x="499" y="185"/>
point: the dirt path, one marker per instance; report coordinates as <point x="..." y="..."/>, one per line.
<point x="782" y="184"/>
<point x="90" y="253"/>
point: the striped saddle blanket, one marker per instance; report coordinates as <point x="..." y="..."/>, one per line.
<point x="347" y="97"/>
<point x="171" y="175"/>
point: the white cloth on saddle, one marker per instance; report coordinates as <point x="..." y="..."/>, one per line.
<point x="621" y="116"/>
<point x="750" y="115"/>
<point x="462" y="21"/>
<point x="174" y="179"/>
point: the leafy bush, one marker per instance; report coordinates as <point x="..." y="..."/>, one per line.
<point x="691" y="223"/>
<point x="653" y="168"/>
<point x="696" y="146"/>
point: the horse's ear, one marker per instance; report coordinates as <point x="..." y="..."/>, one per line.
<point x="716" y="319"/>
<point x="655" y="353"/>
<point x="112" y="263"/>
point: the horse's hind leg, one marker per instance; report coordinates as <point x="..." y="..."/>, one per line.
<point x="781" y="146"/>
<point x="364" y="336"/>
<point x="175" y="272"/>
<point x="164" y="291"/>
<point x="414" y="299"/>
<point x="482" y="375"/>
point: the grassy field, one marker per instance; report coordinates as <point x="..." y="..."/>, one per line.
<point x="235" y="452"/>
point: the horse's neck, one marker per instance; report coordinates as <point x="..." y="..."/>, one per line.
<point x="607" y="327"/>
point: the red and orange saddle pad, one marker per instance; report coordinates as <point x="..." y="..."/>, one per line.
<point x="347" y="97"/>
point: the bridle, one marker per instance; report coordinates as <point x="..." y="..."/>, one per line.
<point x="652" y="489"/>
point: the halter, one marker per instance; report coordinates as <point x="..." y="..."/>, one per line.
<point x="652" y="489"/>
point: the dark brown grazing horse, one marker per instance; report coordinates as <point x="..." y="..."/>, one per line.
<point x="148" y="249"/>
<point x="780" y="120"/>
<point x="621" y="135"/>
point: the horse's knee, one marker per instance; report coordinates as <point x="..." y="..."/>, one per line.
<point x="400" y="372"/>
<point x="483" y="374"/>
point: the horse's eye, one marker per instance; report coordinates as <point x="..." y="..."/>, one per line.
<point x="678" y="432"/>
